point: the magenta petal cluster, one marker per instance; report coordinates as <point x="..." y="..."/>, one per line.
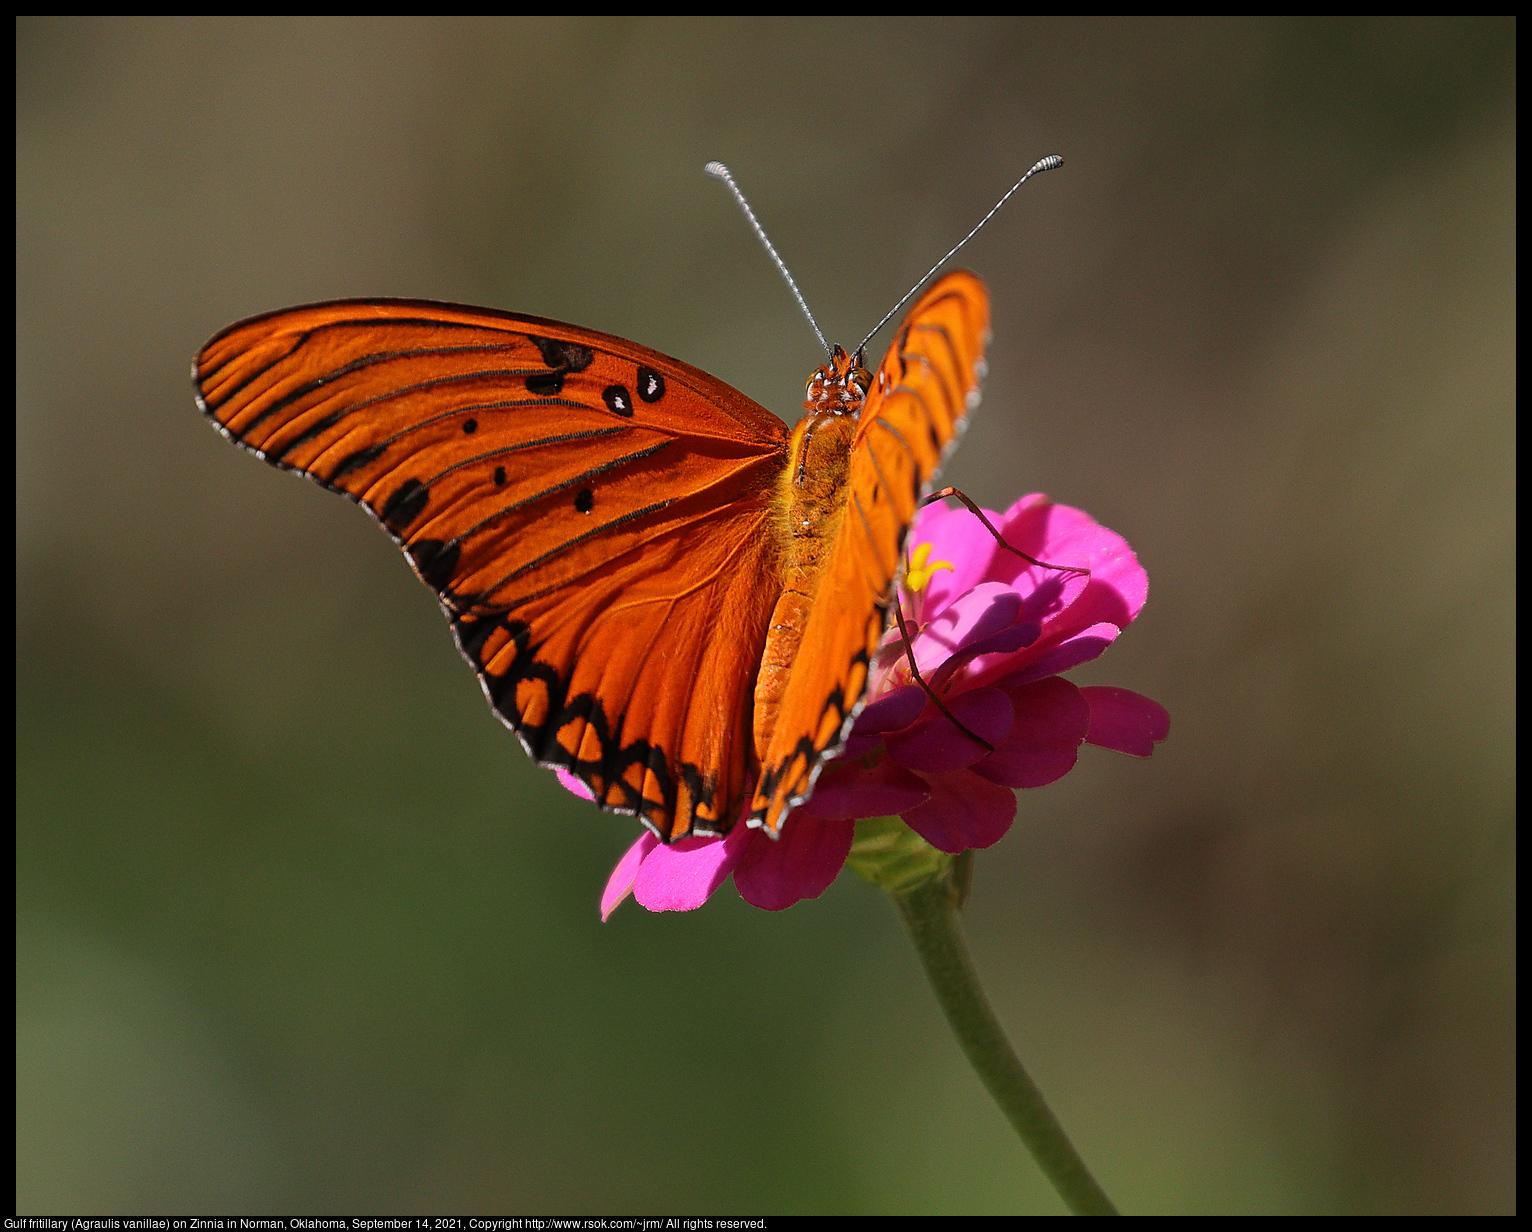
<point x="991" y="634"/>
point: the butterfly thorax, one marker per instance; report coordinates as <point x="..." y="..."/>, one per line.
<point x="811" y="498"/>
<point x="838" y="387"/>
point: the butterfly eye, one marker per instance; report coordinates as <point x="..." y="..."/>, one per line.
<point x="862" y="379"/>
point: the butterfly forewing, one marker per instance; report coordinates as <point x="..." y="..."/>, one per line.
<point x="918" y="404"/>
<point x="594" y="517"/>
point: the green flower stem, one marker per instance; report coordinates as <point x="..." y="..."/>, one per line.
<point x="931" y="912"/>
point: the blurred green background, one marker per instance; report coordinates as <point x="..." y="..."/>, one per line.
<point x="301" y="929"/>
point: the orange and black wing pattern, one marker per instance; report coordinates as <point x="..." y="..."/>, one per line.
<point x="917" y="407"/>
<point x="594" y="516"/>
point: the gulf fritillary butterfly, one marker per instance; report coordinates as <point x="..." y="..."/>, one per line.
<point x="660" y="586"/>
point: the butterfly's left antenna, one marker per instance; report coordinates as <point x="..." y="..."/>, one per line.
<point x="719" y="172"/>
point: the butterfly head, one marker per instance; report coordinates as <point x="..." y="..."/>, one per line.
<point x="840" y="386"/>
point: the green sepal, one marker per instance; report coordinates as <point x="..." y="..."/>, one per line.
<point x="893" y="857"/>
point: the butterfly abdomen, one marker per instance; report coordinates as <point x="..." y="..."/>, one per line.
<point x="810" y="503"/>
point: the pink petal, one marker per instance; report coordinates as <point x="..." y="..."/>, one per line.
<point x="959" y="538"/>
<point x="1060" y="535"/>
<point x="998" y="652"/>
<point x="975" y="656"/>
<point x="934" y="745"/>
<point x="849" y="789"/>
<point x="1040" y="663"/>
<point x="963" y="811"/>
<point x="895" y="709"/>
<point x="1004" y="641"/>
<point x="1118" y="585"/>
<point x="986" y="609"/>
<point x="1041" y="528"/>
<point x="1065" y="602"/>
<point x="620" y="884"/>
<point x="570" y="783"/>
<point x="1043" y="744"/>
<point x="774" y="874"/>
<point x="859" y="745"/>
<point x="1049" y="588"/>
<point x="684" y="875"/>
<point x="1124" y="720"/>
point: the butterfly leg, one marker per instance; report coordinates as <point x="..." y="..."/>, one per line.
<point x="909" y="653"/>
<point x="974" y="509"/>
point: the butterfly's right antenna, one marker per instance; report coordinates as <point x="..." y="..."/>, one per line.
<point x="719" y="172"/>
<point x="1042" y="164"/>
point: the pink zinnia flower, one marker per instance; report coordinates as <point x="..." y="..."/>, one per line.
<point x="990" y="634"/>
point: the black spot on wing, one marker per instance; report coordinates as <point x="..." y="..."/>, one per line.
<point x="436" y="562"/>
<point x="570" y="356"/>
<point x="618" y="400"/>
<point x="361" y="458"/>
<point x="472" y="633"/>
<point x="316" y="429"/>
<point x="651" y="385"/>
<point x="405" y="505"/>
<point x="585" y="500"/>
<point x="563" y="358"/>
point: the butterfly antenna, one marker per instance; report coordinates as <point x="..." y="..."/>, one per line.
<point x="1042" y="164"/>
<point x="719" y="172"/>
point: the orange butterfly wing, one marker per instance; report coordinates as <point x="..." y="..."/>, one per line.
<point x="918" y="405"/>
<point x="596" y="519"/>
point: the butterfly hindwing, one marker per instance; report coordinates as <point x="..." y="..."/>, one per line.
<point x="594" y="517"/>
